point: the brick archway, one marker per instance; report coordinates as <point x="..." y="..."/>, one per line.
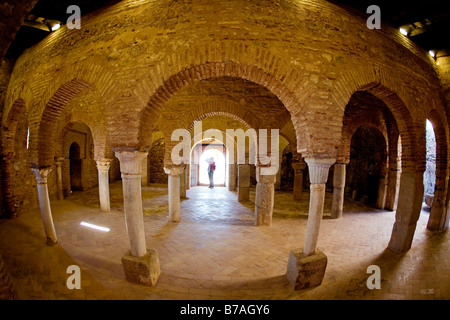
<point x="43" y="147"/>
<point x="213" y="70"/>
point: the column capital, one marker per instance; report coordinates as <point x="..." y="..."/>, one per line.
<point x="59" y="159"/>
<point x="174" y="170"/>
<point x="298" y="166"/>
<point x="41" y="174"/>
<point x="130" y="161"/>
<point x="318" y="169"/>
<point x="103" y="164"/>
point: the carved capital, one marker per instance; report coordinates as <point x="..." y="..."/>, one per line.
<point x="41" y="174"/>
<point x="174" y="170"/>
<point x="59" y="161"/>
<point x="130" y="161"/>
<point x="299" y="166"/>
<point x="103" y="165"/>
<point x="318" y="169"/>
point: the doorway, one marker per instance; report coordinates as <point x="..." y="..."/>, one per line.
<point x="75" y="167"/>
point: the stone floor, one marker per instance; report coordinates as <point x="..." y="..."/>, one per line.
<point x="216" y="252"/>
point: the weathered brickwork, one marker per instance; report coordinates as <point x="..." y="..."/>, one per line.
<point x="12" y="15"/>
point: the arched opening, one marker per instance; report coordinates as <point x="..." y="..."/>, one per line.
<point x="202" y="154"/>
<point x="217" y="157"/>
<point x="436" y="170"/>
<point x="429" y="176"/>
<point x="75" y="167"/>
<point x="367" y="159"/>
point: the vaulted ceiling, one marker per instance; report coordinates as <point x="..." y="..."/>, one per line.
<point x="427" y="22"/>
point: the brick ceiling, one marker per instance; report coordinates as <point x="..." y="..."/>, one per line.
<point x="430" y="19"/>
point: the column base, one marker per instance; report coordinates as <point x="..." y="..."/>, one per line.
<point x="305" y="271"/>
<point x="143" y="270"/>
<point x="50" y="242"/>
<point x="402" y="237"/>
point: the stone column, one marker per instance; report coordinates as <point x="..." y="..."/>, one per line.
<point x="298" y="179"/>
<point x="183" y="184"/>
<point x="174" y="191"/>
<point x="436" y="221"/>
<point x="187" y="174"/>
<point x="144" y="172"/>
<point x="232" y="177"/>
<point x="337" y="206"/>
<point x="408" y="211"/>
<point x="243" y="182"/>
<point x="44" y="204"/>
<point x="139" y="263"/>
<point x="59" y="179"/>
<point x="306" y="266"/>
<point x="264" y="198"/>
<point x="382" y="188"/>
<point x="392" y="189"/>
<point x="103" y="183"/>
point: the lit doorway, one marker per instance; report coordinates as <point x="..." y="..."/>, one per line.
<point x="202" y="152"/>
<point x="219" y="173"/>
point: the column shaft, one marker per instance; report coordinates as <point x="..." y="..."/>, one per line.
<point x="337" y="206"/>
<point x="174" y="197"/>
<point x="103" y="184"/>
<point x="59" y="178"/>
<point x="175" y="174"/>
<point x="318" y="172"/>
<point x="130" y="167"/>
<point x="264" y="198"/>
<point x="408" y="211"/>
<point x="243" y="182"/>
<point x="44" y="204"/>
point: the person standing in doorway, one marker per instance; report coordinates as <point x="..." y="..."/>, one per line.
<point x="211" y="169"/>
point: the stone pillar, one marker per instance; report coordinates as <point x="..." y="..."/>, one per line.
<point x="103" y="183"/>
<point x="144" y="172"/>
<point x="298" y="179"/>
<point x="318" y="174"/>
<point x="187" y="174"/>
<point x="436" y="221"/>
<point x="232" y="177"/>
<point x="337" y="206"/>
<point x="183" y="184"/>
<point x="243" y="182"/>
<point x="44" y="204"/>
<point x="382" y="189"/>
<point x="392" y="189"/>
<point x="306" y="266"/>
<point x="139" y="264"/>
<point x="59" y="179"/>
<point x="408" y="211"/>
<point x="174" y="191"/>
<point x="264" y="198"/>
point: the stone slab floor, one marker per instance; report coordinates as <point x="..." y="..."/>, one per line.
<point x="216" y="252"/>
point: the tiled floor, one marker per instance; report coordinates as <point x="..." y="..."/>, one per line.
<point x="216" y="252"/>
